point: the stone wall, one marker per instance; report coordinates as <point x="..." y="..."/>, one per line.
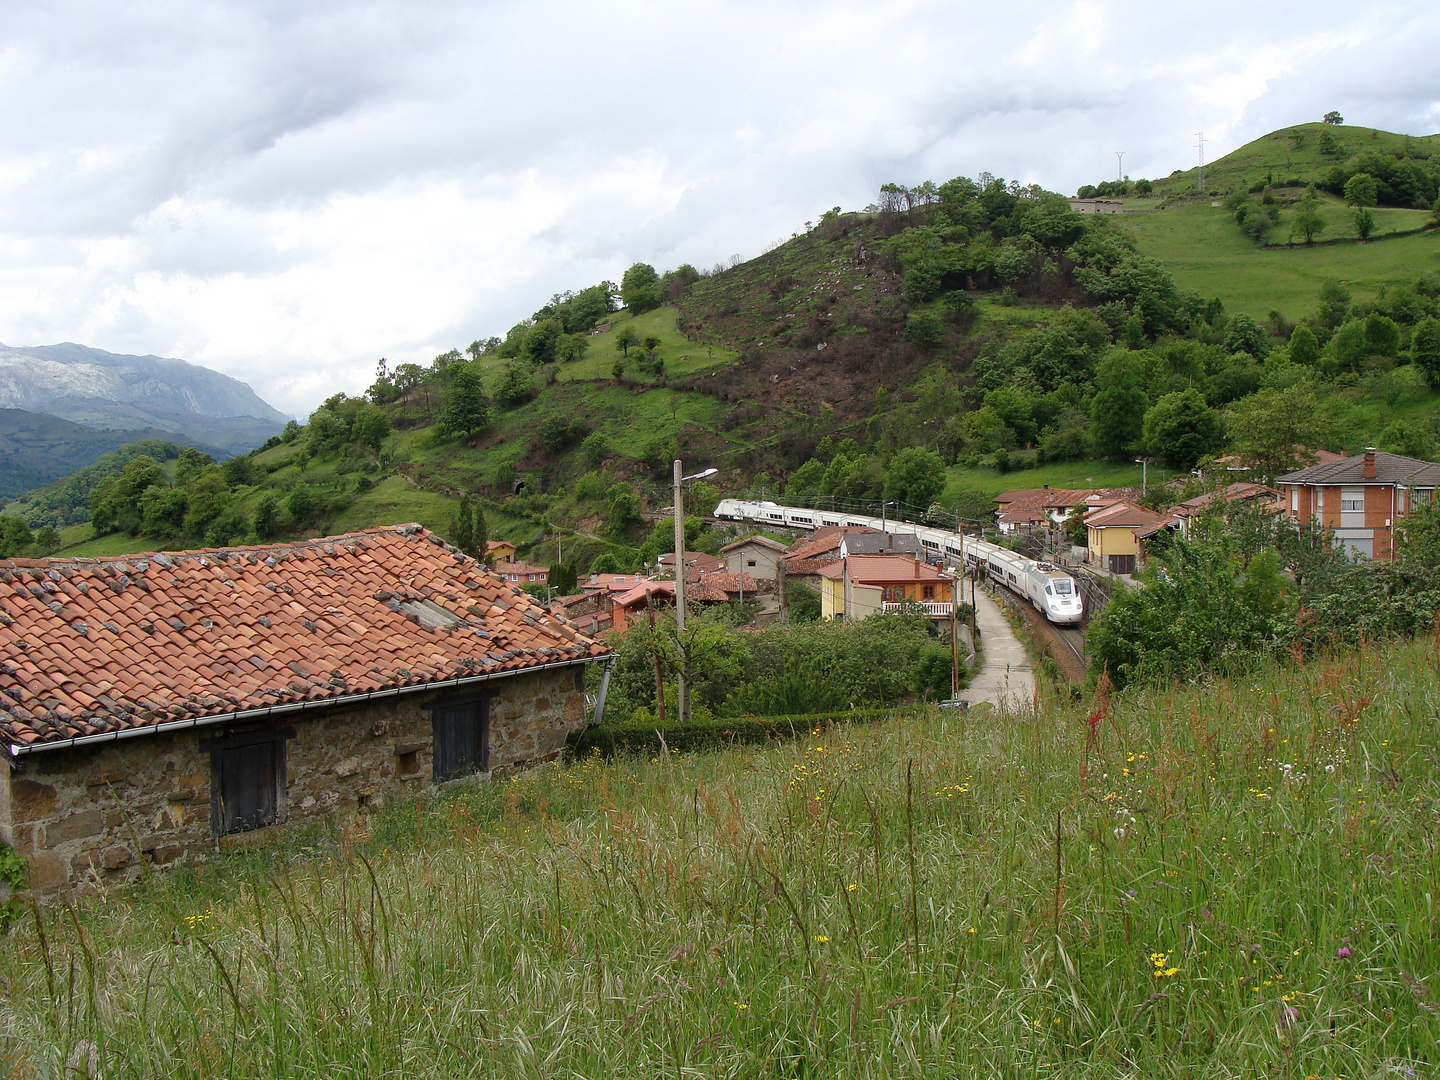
<point x="94" y="814"/>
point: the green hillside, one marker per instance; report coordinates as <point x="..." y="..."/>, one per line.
<point x="1295" y="156"/>
<point x="946" y="343"/>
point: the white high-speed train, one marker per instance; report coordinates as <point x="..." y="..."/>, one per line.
<point x="1051" y="590"/>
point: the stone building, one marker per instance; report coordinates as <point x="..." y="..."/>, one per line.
<point x="153" y="707"/>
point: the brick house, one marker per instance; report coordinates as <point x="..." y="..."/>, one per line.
<point x="1360" y="498"/>
<point x="151" y="706"/>
<point x="519" y="573"/>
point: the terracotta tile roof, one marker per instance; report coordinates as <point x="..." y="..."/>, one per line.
<point x="883" y="570"/>
<point x="726" y="583"/>
<point x="1023" y="516"/>
<point x="1041" y="498"/>
<point x="826" y="538"/>
<point x="611" y="582"/>
<point x="643" y="590"/>
<point x="694" y="560"/>
<point x="709" y="589"/>
<point x="98" y="645"/>
<point x="1238" y="492"/>
<point x="521" y="569"/>
<point x="1119" y="515"/>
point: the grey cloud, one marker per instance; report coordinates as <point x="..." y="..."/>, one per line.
<point x="174" y="136"/>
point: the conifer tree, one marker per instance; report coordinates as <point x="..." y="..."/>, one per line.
<point x="462" y="528"/>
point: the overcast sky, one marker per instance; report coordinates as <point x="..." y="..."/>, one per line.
<point x="287" y="191"/>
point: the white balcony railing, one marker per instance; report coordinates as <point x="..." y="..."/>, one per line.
<point x="934" y="608"/>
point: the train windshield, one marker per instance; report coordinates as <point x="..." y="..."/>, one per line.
<point x="1063" y="587"/>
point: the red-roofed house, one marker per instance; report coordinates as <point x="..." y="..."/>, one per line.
<point x="1111" y="529"/>
<point x="699" y="589"/>
<point x="861" y="585"/>
<point x="499" y="550"/>
<point x="151" y="705"/>
<point x="519" y="573"/>
<point x="695" y="562"/>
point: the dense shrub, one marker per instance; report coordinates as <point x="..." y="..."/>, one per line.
<point x="712" y="734"/>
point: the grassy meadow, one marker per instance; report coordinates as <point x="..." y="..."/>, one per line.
<point x="1231" y="880"/>
<point x="1203" y="247"/>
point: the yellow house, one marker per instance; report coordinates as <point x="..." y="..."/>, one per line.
<point x="861" y="585"/>
<point x="1110" y="531"/>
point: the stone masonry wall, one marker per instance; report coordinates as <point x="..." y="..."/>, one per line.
<point x="90" y="815"/>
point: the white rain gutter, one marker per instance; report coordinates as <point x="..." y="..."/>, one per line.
<point x="17" y="751"/>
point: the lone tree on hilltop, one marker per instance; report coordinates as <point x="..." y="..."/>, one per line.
<point x="1334" y="117"/>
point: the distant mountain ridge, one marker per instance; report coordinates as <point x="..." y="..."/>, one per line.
<point x="112" y="391"/>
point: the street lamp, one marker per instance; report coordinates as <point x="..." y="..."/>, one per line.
<point x="682" y="691"/>
<point x="1144" y="463"/>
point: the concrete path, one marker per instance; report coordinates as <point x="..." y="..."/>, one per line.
<point x="1006" y="680"/>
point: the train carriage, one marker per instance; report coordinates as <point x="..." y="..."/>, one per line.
<point x="1052" y="591"/>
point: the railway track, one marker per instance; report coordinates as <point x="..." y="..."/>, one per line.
<point x="1066" y="644"/>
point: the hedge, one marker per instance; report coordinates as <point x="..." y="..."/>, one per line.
<point x="609" y="739"/>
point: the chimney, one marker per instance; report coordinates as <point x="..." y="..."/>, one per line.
<point x="1368" y="472"/>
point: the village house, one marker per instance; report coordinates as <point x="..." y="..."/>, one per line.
<point x="695" y="562"/>
<point x="807" y="556"/>
<point x="153" y="706"/>
<point x="519" y="573"/>
<point x="499" y="551"/>
<point x="758" y="556"/>
<point x="1111" y="530"/>
<point x="861" y="585"/>
<point x="1029" y="509"/>
<point x="1182" y="516"/>
<point x="702" y="589"/>
<point x="882" y="544"/>
<point x="1360" y="498"/>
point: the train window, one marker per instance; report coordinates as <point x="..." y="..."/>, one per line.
<point x="1063" y="587"/>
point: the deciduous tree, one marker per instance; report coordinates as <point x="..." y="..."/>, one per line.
<point x="467" y="412"/>
<point x="1180" y="429"/>
<point x="1118" y="411"/>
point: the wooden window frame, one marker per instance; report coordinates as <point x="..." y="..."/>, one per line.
<point x="480" y="761"/>
<point x="220" y="823"/>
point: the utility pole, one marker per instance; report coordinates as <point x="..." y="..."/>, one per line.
<point x="1120" y="165"/>
<point x="1200" y="182"/>
<point x="682" y="689"/>
<point x="955" y="638"/>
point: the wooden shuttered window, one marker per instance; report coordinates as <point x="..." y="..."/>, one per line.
<point x="247" y="781"/>
<point x="462" y="738"/>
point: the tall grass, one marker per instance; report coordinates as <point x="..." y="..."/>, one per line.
<point x="1230" y="880"/>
